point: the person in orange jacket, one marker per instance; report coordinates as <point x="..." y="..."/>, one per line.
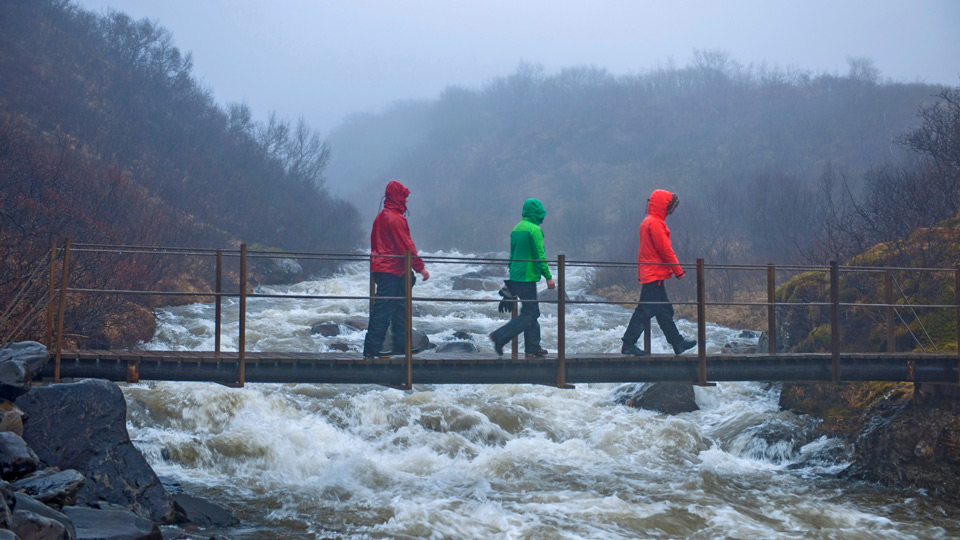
<point x="390" y="235"/>
<point x="656" y="263"/>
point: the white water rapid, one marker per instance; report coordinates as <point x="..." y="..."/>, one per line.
<point x="501" y="462"/>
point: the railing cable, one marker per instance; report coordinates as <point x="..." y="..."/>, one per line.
<point x="915" y="316"/>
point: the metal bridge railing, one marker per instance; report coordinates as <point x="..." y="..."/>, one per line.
<point x="561" y="264"/>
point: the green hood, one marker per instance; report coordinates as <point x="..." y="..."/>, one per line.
<point x="533" y="211"/>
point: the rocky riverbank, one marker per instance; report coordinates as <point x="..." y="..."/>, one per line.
<point x="69" y="470"/>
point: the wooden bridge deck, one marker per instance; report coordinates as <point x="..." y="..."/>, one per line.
<point x="431" y="368"/>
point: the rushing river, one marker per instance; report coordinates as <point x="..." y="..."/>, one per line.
<point x="503" y="461"/>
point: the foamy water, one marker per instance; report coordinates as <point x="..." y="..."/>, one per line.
<point x="499" y="461"/>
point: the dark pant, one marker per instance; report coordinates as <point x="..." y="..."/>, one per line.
<point x="386" y="313"/>
<point x="652" y="292"/>
<point x="526" y="322"/>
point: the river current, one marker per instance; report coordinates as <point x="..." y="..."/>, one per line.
<point x="499" y="461"/>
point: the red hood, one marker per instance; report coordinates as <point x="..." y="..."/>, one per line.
<point x="396" y="194"/>
<point x="658" y="203"/>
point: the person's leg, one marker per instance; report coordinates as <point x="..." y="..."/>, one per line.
<point x="529" y="312"/>
<point x="657" y="292"/>
<point x="636" y="325"/>
<point x="382" y="312"/>
<point x="398" y="323"/>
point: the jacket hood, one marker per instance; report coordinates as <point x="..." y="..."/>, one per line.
<point x="659" y="203"/>
<point x="396" y="196"/>
<point x="533" y="211"/>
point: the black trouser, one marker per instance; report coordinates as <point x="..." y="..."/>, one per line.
<point x="386" y="313"/>
<point x="526" y="322"/>
<point x="652" y="292"/>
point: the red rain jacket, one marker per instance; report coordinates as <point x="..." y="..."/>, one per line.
<point x="655" y="242"/>
<point x="391" y="234"/>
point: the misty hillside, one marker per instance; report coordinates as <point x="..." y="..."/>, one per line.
<point x="744" y="147"/>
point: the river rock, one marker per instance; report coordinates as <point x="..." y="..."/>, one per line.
<point x="29" y="504"/>
<point x="420" y="341"/>
<point x="667" y="398"/>
<point x="36" y="527"/>
<point x="51" y="487"/>
<point x="472" y="283"/>
<point x="457" y="347"/>
<point x="203" y="513"/>
<point x="8" y="535"/>
<point x="11" y="417"/>
<point x="494" y="270"/>
<point x="357" y="324"/>
<point x="463" y="336"/>
<point x="16" y="458"/>
<point x="19" y="364"/>
<point x="326" y="329"/>
<point x="82" y="426"/>
<point x="738" y="347"/>
<point x="276" y="270"/>
<point x="551" y="295"/>
<point x="339" y="346"/>
<point x="93" y="523"/>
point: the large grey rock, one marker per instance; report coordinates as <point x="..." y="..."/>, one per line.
<point x="28" y="525"/>
<point x="203" y="513"/>
<point x="8" y="535"/>
<point x="27" y="503"/>
<point x="96" y="524"/>
<point x="325" y="329"/>
<point x="475" y="283"/>
<point x="419" y="342"/>
<point x="82" y="426"/>
<point x="550" y="295"/>
<point x="279" y="270"/>
<point x="457" y="347"/>
<point x="19" y="364"/>
<point x="667" y="398"/>
<point x="16" y="458"/>
<point x="51" y="487"/>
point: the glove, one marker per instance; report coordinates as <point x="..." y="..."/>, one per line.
<point x="506" y="306"/>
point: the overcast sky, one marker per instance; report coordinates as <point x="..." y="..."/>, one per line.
<point x="326" y="59"/>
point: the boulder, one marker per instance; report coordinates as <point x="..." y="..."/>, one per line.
<point x="82" y="426"/>
<point x="19" y="364"/>
<point x="27" y="503"/>
<point x="8" y="535"/>
<point x="457" y="347"/>
<point x="420" y="341"/>
<point x="357" y="323"/>
<point x="51" y="487"/>
<point x="463" y="336"/>
<point x="465" y="283"/>
<point x="494" y="270"/>
<point x="749" y="334"/>
<point x="6" y="514"/>
<point x="339" y="346"/>
<point x="203" y="513"/>
<point x="11" y="417"/>
<point x="325" y="329"/>
<point x="94" y="523"/>
<point x="278" y="270"/>
<point x="667" y="398"/>
<point x="36" y="527"/>
<point x="550" y="295"/>
<point x="16" y="458"/>
<point x="738" y="347"/>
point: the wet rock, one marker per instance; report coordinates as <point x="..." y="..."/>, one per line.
<point x="738" y="347"/>
<point x="203" y="513"/>
<point x="25" y="502"/>
<point x="93" y="523"/>
<point x="667" y="398"/>
<point x="16" y="458"/>
<point x="6" y="515"/>
<point x="550" y="295"/>
<point x="464" y="283"/>
<point x="500" y="270"/>
<point x="457" y="347"/>
<point x="82" y="426"/>
<point x="19" y="364"/>
<point x="326" y="329"/>
<point x="8" y="535"/>
<point x="11" y="417"/>
<point x="420" y="341"/>
<point x="463" y="336"/>
<point x="273" y="271"/>
<point x="749" y="334"/>
<point x="34" y="526"/>
<point x="357" y="323"/>
<point x="339" y="346"/>
<point x="51" y="487"/>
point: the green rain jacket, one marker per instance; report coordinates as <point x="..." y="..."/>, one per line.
<point x="526" y="242"/>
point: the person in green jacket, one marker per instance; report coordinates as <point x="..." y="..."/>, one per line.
<point x="528" y="262"/>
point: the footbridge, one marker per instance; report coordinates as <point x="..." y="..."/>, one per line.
<point x="562" y="369"/>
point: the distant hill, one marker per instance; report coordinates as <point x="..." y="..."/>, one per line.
<point x="743" y="147"/>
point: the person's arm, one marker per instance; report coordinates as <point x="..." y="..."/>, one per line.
<point x="405" y="242"/>
<point x="661" y="242"/>
<point x="541" y="255"/>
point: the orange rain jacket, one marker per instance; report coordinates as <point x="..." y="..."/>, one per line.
<point x="391" y="234"/>
<point x="655" y="242"/>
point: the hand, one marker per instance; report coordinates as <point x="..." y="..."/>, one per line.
<point x="551" y="284"/>
<point x="425" y="274"/>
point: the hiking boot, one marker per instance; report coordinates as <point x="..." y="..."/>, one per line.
<point x="632" y="350"/>
<point x="497" y="347"/>
<point x="537" y="354"/>
<point x="381" y="354"/>
<point x="684" y="345"/>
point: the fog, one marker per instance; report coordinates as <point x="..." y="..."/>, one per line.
<point x="326" y="60"/>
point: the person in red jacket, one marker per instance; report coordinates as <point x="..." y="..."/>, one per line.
<point x="656" y="263"/>
<point x="390" y="236"/>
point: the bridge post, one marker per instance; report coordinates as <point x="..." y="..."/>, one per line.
<point x="701" y="327"/>
<point x="888" y="310"/>
<point x="956" y="294"/>
<point x="53" y="287"/>
<point x="515" y="342"/>
<point x="61" y="309"/>
<point x="408" y="319"/>
<point x="771" y="309"/>
<point x="219" y="305"/>
<point x="562" y="322"/>
<point x="242" y="339"/>
<point x="835" y="322"/>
